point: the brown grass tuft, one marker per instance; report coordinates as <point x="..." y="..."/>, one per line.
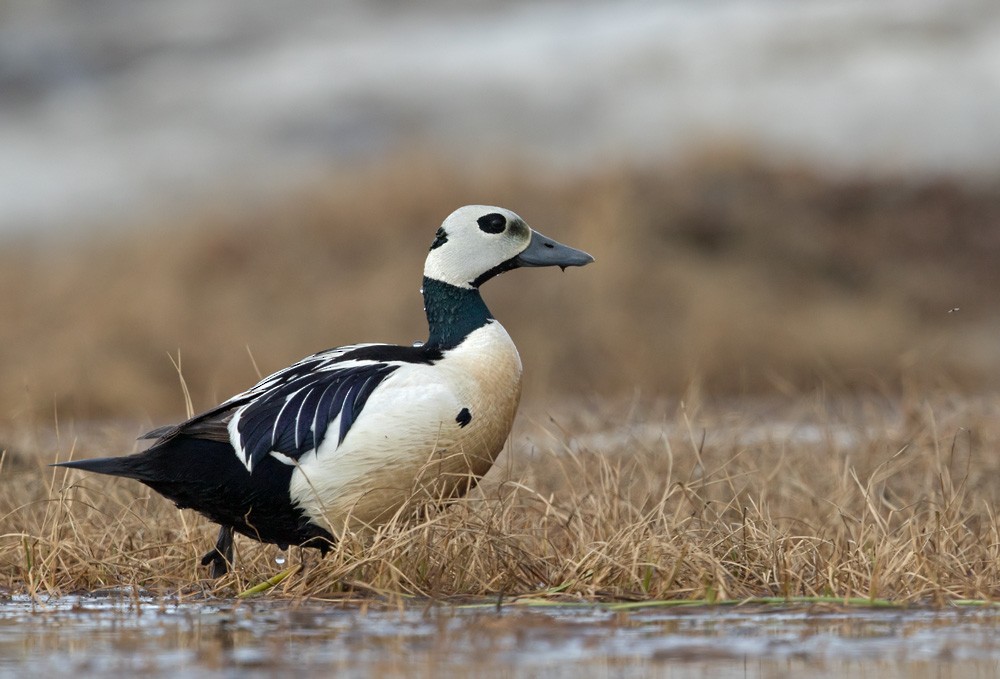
<point x="806" y="498"/>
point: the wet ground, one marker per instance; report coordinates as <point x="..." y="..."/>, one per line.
<point x="114" y="635"/>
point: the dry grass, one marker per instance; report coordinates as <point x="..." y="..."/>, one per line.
<point x="806" y="497"/>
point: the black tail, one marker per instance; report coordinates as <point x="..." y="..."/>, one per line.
<point x="112" y="466"/>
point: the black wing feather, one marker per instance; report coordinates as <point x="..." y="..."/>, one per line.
<point x="283" y="418"/>
<point x="360" y="396"/>
<point x="305" y="417"/>
<point x="256" y="427"/>
<point x="325" y="411"/>
<point x="285" y="432"/>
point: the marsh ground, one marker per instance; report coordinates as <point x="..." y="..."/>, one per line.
<point x="803" y="497"/>
<point x="610" y="540"/>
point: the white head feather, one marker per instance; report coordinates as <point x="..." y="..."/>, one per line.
<point x="473" y="240"/>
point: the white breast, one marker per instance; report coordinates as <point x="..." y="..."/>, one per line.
<point x="408" y="446"/>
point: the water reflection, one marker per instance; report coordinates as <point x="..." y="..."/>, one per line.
<point x="100" y="635"/>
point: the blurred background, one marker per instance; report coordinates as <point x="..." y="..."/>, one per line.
<point x="781" y="196"/>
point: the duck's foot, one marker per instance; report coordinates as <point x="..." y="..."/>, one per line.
<point x="221" y="557"/>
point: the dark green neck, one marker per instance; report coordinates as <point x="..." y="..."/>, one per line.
<point x="452" y="313"/>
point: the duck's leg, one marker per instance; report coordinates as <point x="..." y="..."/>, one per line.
<point x="221" y="557"/>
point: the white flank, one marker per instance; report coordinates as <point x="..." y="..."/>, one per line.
<point x="408" y="422"/>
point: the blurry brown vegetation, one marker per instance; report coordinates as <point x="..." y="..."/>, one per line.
<point x="720" y="272"/>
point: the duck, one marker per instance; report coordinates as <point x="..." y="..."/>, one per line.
<point x="348" y="438"/>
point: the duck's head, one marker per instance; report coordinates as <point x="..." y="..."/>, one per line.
<point x="477" y="242"/>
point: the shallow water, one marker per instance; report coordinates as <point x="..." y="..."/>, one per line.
<point x="98" y="635"/>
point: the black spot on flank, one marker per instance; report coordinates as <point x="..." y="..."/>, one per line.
<point x="463" y="417"/>
<point x="440" y="238"/>
<point x="494" y="222"/>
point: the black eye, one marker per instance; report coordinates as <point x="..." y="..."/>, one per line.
<point x="494" y="222"/>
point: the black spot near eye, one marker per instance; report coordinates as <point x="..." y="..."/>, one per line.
<point x="549" y="245"/>
<point x="440" y="238"/>
<point x="494" y="222"/>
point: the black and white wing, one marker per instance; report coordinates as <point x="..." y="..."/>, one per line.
<point x="294" y="418"/>
<point x="291" y="412"/>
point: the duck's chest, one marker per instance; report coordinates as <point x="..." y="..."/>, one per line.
<point x="429" y="430"/>
<point x="485" y="372"/>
